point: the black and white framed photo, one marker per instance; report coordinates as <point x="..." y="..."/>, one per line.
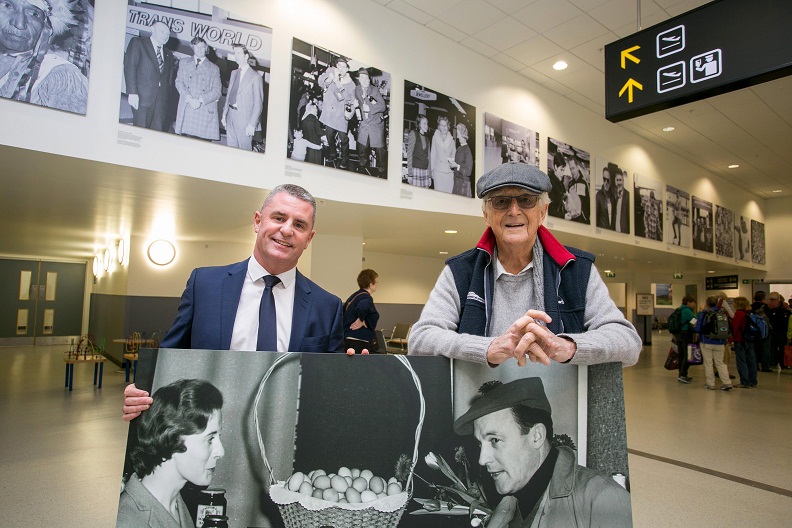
<point x="757" y="242"/>
<point x="569" y="170"/>
<point x="678" y="216"/>
<point x="439" y="141"/>
<point x="724" y="232"/>
<point x="338" y="111"/>
<point x="702" y="225"/>
<point x="261" y="437"/>
<point x="742" y="239"/>
<point x="611" y="199"/>
<point x="648" y="199"/>
<point x="45" y="52"/>
<point x="198" y="74"/>
<point x="505" y="141"/>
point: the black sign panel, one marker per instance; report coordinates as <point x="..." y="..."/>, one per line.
<point x="727" y="282"/>
<point x="722" y="46"/>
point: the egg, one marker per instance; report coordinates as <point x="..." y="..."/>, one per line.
<point x="317" y="472"/>
<point x="330" y="495"/>
<point x="352" y="496"/>
<point x="293" y="484"/>
<point x="392" y="480"/>
<point x="360" y="484"/>
<point x="339" y="484"/>
<point x="306" y="488"/>
<point x="322" y="482"/>
<point x="366" y="474"/>
<point x="355" y="473"/>
<point x="377" y="485"/>
<point x="368" y="496"/>
<point x="348" y="480"/>
<point x="317" y="493"/>
<point x="394" y="488"/>
<point x="344" y="471"/>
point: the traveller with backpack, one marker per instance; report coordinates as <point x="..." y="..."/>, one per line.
<point x="679" y="326"/>
<point x="745" y="330"/>
<point x="714" y="330"/>
<point x="761" y="346"/>
<point x="778" y="314"/>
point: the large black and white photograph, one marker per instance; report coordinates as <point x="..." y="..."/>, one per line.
<point x="757" y="242"/>
<point x="677" y="216"/>
<point x="702" y="225"/>
<point x="439" y="145"/>
<point x="202" y="75"/>
<point x="505" y="141"/>
<point x="742" y="239"/>
<point x="724" y="232"/>
<point x="648" y="198"/>
<point x="292" y="440"/>
<point x="338" y="112"/>
<point x="45" y="52"/>
<point x="611" y="199"/>
<point x="569" y="170"/>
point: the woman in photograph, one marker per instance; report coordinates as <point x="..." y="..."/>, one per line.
<point x="462" y="163"/>
<point x="678" y="212"/>
<point x="178" y="441"/>
<point x="443" y="149"/>
<point x="360" y="314"/>
<point x="418" y="151"/>
<point x="313" y="133"/>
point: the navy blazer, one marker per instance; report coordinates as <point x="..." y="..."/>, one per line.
<point x="208" y="308"/>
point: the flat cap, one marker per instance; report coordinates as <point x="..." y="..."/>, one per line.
<point x="526" y="391"/>
<point x="514" y="174"/>
<point x="363" y="71"/>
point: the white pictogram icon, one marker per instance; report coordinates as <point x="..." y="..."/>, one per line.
<point x="706" y="66"/>
<point x="671" y="77"/>
<point x="670" y="41"/>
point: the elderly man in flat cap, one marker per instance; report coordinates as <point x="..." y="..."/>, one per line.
<point x="543" y="484"/>
<point x="29" y="70"/>
<point x="520" y="293"/>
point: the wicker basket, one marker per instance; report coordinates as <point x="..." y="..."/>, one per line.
<point x="302" y="511"/>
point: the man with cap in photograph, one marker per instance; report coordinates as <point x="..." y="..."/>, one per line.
<point x="371" y="130"/>
<point x="30" y="70"/>
<point x="520" y="293"/>
<point x="337" y="103"/>
<point x="543" y="484"/>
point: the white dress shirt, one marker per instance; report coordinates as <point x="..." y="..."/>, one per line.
<point x="245" y="334"/>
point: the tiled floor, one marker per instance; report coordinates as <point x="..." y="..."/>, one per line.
<point x="698" y="458"/>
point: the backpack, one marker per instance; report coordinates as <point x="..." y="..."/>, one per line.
<point x="756" y="326"/>
<point x="716" y="325"/>
<point x="674" y="322"/>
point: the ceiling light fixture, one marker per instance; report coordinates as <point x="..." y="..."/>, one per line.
<point x="443" y="252"/>
<point x="733" y="166"/>
<point x="560" y="65"/>
<point x="451" y="231"/>
<point x="121" y="250"/>
<point x="777" y="190"/>
<point x="668" y="129"/>
<point x="161" y="252"/>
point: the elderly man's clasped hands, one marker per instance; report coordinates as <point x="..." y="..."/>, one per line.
<point x="529" y="338"/>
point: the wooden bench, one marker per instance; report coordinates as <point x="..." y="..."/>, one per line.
<point x="98" y="362"/>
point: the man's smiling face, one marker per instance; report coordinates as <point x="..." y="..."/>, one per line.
<point x="284" y="228"/>
<point x="514" y="227"/>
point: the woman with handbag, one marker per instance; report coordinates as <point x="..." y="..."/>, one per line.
<point x="685" y="337"/>
<point x="360" y="314"/>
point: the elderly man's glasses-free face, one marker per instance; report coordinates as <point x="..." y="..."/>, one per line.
<point x="524" y="201"/>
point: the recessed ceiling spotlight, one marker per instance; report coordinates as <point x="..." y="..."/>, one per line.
<point x="607" y="271"/>
<point x="777" y="190"/>
<point x="710" y="271"/>
<point x="668" y="129"/>
<point x="733" y="166"/>
<point x="451" y="231"/>
<point x="443" y="252"/>
<point x="560" y="65"/>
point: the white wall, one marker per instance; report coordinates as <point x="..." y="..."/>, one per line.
<point x="403" y="279"/>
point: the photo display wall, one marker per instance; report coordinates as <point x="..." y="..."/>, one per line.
<point x="612" y="199"/>
<point x="568" y="169"/>
<point x="338" y="111"/>
<point x="505" y="141"/>
<point x="648" y="197"/>
<point x="193" y="75"/>
<point x="702" y="225"/>
<point x="266" y="427"/>
<point x="439" y="145"/>
<point x="678" y="216"/>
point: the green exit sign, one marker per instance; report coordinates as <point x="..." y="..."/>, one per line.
<point x="610" y="274"/>
<point x="677" y="275"/>
<point x="746" y="281"/>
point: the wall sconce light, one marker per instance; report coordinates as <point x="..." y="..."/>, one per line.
<point x="106" y="259"/>
<point x="161" y="252"/>
<point x="96" y="266"/>
<point x="121" y="250"/>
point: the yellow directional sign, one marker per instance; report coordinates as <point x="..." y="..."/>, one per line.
<point x="629" y="85"/>
<point x="626" y="54"/>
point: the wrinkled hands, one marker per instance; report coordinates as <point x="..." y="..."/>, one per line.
<point x="529" y="338"/>
<point x="135" y="402"/>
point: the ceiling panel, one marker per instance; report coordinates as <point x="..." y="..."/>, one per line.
<point x="471" y="16"/>
<point x="576" y="31"/>
<point x="505" y="33"/>
<point x="534" y="50"/>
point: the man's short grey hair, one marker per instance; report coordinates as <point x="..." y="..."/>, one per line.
<point x="544" y="199"/>
<point x="292" y="190"/>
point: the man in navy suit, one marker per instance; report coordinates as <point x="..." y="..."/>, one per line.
<point x="219" y="308"/>
<point x="148" y="74"/>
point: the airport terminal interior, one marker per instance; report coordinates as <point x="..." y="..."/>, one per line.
<point x="87" y="193"/>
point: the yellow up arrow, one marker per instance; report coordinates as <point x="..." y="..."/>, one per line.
<point x="625" y="54"/>
<point x="629" y="85"/>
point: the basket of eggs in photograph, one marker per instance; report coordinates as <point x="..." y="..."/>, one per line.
<point x="348" y="497"/>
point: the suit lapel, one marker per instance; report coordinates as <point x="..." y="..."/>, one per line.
<point x="152" y="53"/>
<point x="230" y="292"/>
<point x="300" y="313"/>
